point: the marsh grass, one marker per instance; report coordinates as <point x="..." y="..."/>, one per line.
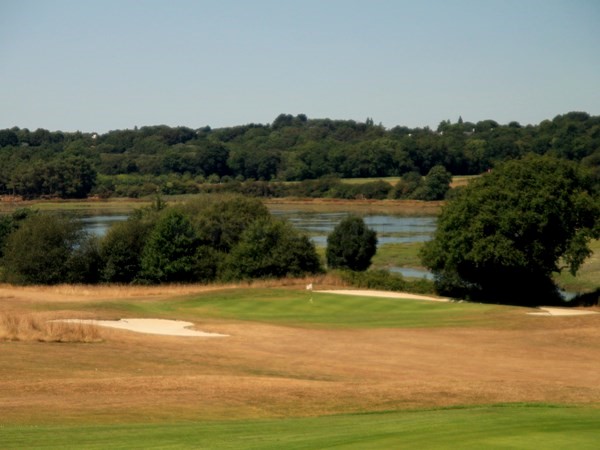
<point x="402" y="254"/>
<point x="30" y="327"/>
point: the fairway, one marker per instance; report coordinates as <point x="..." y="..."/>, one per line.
<point x="502" y="426"/>
<point x="297" y="371"/>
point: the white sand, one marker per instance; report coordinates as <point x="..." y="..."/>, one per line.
<point x="561" y="312"/>
<point x="149" y="326"/>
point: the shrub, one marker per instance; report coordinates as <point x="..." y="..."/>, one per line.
<point x="351" y="245"/>
<point x="172" y="251"/>
<point x="121" y="249"/>
<point x="41" y="250"/>
<point x="271" y="248"/>
<point x="374" y="279"/>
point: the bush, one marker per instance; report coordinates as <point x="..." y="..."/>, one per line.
<point x="42" y="250"/>
<point x="271" y="248"/>
<point x="351" y="245"/>
<point x="172" y="252"/>
<point x="375" y="279"/>
<point x="386" y="281"/>
<point x="121" y="249"/>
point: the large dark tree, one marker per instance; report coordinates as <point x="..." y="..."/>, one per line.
<point x="271" y="249"/>
<point x="502" y="238"/>
<point x="46" y="249"/>
<point x="121" y="249"/>
<point x="173" y="252"/>
<point x="351" y="245"/>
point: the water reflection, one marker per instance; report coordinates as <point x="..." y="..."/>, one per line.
<point x="390" y="229"/>
<point x="318" y="225"/>
<point x="412" y="273"/>
<point x="99" y="225"/>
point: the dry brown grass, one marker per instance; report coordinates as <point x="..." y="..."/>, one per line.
<point x="266" y="370"/>
<point x="31" y="327"/>
<point x="18" y="295"/>
<point x="401" y="207"/>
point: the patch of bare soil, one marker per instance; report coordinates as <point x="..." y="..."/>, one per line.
<point x="264" y="370"/>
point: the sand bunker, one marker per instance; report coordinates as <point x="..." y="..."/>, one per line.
<point x="149" y="326"/>
<point x="560" y="312"/>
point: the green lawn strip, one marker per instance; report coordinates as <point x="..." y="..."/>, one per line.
<point x="516" y="426"/>
<point x="295" y="308"/>
<point x="405" y="254"/>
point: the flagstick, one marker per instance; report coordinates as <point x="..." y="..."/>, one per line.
<point x="309" y="287"/>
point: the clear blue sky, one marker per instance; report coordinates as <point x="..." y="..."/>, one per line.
<point x="103" y="65"/>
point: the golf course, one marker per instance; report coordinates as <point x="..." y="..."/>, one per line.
<point x="280" y="366"/>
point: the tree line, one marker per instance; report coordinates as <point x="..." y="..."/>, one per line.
<point x="499" y="239"/>
<point x="175" y="160"/>
<point x="209" y="239"/>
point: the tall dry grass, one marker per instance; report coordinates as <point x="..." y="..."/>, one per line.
<point x="29" y="327"/>
<point x="79" y="292"/>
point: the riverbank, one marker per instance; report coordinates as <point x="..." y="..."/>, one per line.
<point x="125" y="205"/>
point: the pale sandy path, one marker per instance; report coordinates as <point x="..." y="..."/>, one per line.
<point x="384" y="294"/>
<point x="149" y="326"/>
<point x="542" y="311"/>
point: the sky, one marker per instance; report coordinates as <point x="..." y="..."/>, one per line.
<point x="75" y="65"/>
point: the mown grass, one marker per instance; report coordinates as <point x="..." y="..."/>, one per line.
<point x="403" y="254"/>
<point x="516" y="426"/>
<point x="295" y="308"/>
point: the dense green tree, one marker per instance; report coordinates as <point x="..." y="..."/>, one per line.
<point x="42" y="249"/>
<point x="64" y="177"/>
<point x="8" y="138"/>
<point x="501" y="238"/>
<point x="292" y="148"/>
<point x="121" y="249"/>
<point x="408" y="184"/>
<point x="173" y="252"/>
<point x="220" y="220"/>
<point x="9" y="223"/>
<point x="271" y="249"/>
<point x="434" y="186"/>
<point x="351" y="245"/>
<point x="85" y="263"/>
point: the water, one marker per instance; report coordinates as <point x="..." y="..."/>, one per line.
<point x="412" y="273"/>
<point x="99" y="225"/>
<point x="390" y="229"/>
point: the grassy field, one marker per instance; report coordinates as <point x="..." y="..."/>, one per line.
<point x="502" y="426"/>
<point x="404" y="254"/>
<point x="588" y="276"/>
<point x="337" y="371"/>
<point x="124" y="206"/>
<point x="457" y="180"/>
